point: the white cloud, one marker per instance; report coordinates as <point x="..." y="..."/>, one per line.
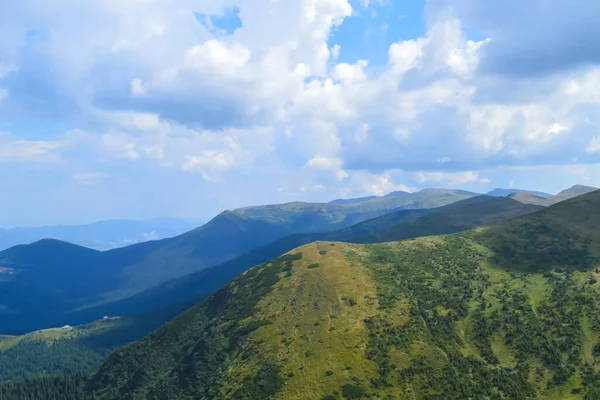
<point x="137" y="87"/>
<point x="3" y="94"/>
<point x="348" y="73"/>
<point x="89" y="178"/>
<point x="121" y="145"/>
<point x="155" y="87"/>
<point x="382" y="186"/>
<point x="362" y="133"/>
<point x="450" y="178"/>
<point x="12" y="149"/>
<point x="594" y="145"/>
<point x="329" y="164"/>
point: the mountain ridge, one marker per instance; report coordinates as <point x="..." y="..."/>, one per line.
<point x="431" y="317"/>
<point x="508" y="310"/>
<point x="31" y="298"/>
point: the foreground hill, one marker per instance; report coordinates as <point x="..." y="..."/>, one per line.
<point x="510" y="311"/>
<point x="42" y="283"/>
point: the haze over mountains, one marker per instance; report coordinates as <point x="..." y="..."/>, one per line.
<point x="544" y="199"/>
<point x="103" y="235"/>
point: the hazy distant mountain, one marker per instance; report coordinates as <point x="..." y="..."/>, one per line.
<point x="426" y="198"/>
<point x="103" y="235"/>
<point x="348" y="201"/>
<point x="499" y="192"/>
<point x="574" y="191"/>
<point x="548" y="200"/>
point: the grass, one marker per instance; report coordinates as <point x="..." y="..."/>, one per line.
<point x="434" y="317"/>
<point x="295" y="305"/>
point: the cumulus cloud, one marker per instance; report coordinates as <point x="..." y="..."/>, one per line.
<point x="147" y="84"/>
<point x="332" y="164"/>
<point x="594" y="145"/>
<point x="89" y="178"/>
<point x="533" y="38"/>
<point x="451" y="178"/>
<point x="13" y="149"/>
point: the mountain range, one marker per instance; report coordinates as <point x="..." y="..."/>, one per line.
<point x="103" y="235"/>
<point x="50" y="283"/>
<point x="505" y="311"/>
<point x="43" y="281"/>
<point x="504" y="304"/>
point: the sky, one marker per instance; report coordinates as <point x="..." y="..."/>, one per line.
<point x="146" y="108"/>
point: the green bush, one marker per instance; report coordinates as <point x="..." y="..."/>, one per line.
<point x="351" y="391"/>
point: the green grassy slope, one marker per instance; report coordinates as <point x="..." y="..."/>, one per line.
<point x="456" y="316"/>
<point x="461" y="316"/>
<point x="428" y="318"/>
<point x="74" y="349"/>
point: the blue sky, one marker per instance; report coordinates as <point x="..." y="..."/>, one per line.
<point x="146" y="108"/>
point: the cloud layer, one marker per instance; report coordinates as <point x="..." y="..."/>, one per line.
<point x="230" y="96"/>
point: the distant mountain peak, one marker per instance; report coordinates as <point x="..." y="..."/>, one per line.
<point x="578" y="189"/>
<point x="502" y="192"/>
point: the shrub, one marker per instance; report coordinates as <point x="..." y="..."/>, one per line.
<point x="311" y="266"/>
<point x="351" y="391"/>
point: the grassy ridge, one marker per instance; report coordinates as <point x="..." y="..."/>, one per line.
<point x="425" y="319"/>
<point x="510" y="311"/>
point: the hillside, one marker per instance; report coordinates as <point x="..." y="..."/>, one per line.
<point x="457" y="217"/>
<point x="506" y="311"/>
<point x="399" y="225"/>
<point x="74" y="349"/>
<point x="425" y="318"/>
<point x="41" y="283"/>
<point x="529" y="198"/>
